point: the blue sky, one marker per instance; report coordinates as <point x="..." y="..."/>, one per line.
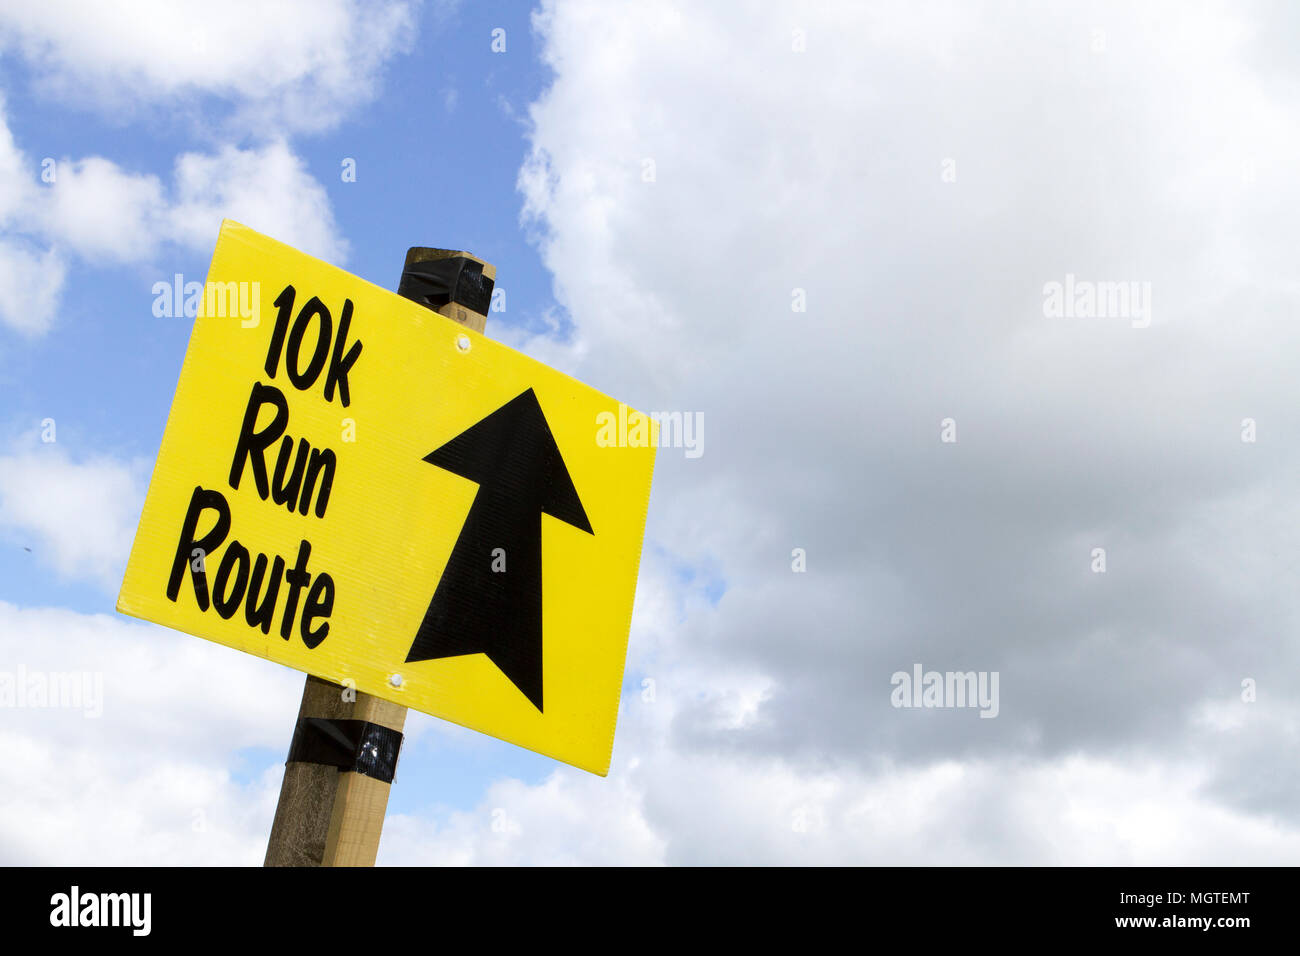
<point x="437" y="159"/>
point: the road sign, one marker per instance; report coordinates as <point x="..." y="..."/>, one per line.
<point x="362" y="489"/>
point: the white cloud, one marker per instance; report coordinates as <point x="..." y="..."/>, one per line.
<point x="30" y="277"/>
<point x="570" y="819"/>
<point x="289" y="66"/>
<point x="101" y="212"/>
<point x="665" y="806"/>
<point x="98" y="211"/>
<point x="78" y="517"/>
<point x="149" y="780"/>
<point x="775" y="170"/>
<point x="16" y="180"/>
<point x="268" y="189"/>
<point x="304" y="67"/>
<point x="31" y="282"/>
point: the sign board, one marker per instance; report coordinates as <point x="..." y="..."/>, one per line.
<point x="362" y="489"/>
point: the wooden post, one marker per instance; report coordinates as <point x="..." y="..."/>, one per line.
<point x="329" y="816"/>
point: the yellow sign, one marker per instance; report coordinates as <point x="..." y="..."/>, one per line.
<point x="362" y="489"/>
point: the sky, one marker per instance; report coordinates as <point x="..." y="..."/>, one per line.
<point x="987" y="311"/>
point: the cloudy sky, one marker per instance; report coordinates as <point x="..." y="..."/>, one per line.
<point x="831" y="230"/>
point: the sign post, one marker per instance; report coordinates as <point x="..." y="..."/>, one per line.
<point x="411" y="513"/>
<point x="329" y="814"/>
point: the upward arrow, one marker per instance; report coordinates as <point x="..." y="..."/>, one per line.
<point x="475" y="609"/>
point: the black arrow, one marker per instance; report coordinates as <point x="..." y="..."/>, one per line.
<point x="476" y="609"/>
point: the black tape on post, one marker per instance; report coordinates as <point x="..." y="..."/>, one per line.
<point x="356" y="746"/>
<point x="436" y="282"/>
